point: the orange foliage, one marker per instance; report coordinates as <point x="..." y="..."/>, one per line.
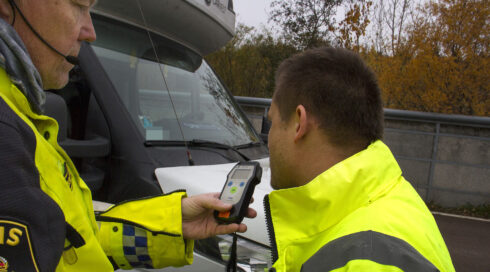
<point x="433" y="59"/>
<point x="354" y="25"/>
<point x="444" y="64"/>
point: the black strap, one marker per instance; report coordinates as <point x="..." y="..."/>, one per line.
<point x="114" y="264"/>
<point x="231" y="267"/>
<point x="73" y="236"/>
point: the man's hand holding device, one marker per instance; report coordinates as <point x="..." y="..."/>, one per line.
<point x="213" y="214"/>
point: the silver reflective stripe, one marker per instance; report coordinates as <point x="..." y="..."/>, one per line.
<point x="368" y="245"/>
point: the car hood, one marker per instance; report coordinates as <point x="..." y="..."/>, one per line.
<point x="211" y="178"/>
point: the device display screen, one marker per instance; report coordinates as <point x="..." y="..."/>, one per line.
<point x="241" y="174"/>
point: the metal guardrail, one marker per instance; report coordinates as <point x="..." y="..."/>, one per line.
<point x="392" y="113"/>
<point x="454" y="147"/>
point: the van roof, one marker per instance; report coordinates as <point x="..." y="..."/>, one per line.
<point x="202" y="25"/>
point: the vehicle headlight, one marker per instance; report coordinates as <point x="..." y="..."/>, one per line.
<point x="251" y="256"/>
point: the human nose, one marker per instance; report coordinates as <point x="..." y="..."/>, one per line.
<point x="87" y="32"/>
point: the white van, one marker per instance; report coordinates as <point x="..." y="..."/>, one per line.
<point x="144" y="114"/>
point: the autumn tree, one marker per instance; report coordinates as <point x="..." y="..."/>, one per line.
<point x="248" y="62"/>
<point x="307" y="23"/>
<point x="452" y="55"/>
<point x="390" y="18"/>
<point x="354" y="24"/>
<point x="443" y="64"/>
<point x="377" y="42"/>
<point x="240" y="66"/>
<point x="431" y="58"/>
<point x="396" y="17"/>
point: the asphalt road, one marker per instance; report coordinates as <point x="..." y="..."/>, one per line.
<point x="468" y="241"/>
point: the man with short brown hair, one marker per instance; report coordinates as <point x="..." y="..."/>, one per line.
<point x="341" y="202"/>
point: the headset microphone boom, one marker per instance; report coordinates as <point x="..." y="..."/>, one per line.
<point x="71" y="59"/>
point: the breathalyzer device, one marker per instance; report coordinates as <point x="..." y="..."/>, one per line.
<point x="238" y="190"/>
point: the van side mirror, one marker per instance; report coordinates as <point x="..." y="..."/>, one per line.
<point x="264" y="131"/>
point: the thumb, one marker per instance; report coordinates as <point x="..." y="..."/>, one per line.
<point x="213" y="202"/>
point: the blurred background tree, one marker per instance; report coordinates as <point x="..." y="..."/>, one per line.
<point x="306" y="23"/>
<point x="440" y="62"/>
<point x="353" y="27"/>
<point x="248" y="62"/>
<point x="429" y="56"/>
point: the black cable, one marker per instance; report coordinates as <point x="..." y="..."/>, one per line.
<point x="232" y="262"/>
<point x="12" y="3"/>
<point x="13" y="12"/>
<point x="71" y="59"/>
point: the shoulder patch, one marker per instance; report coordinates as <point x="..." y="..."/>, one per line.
<point x="16" y="252"/>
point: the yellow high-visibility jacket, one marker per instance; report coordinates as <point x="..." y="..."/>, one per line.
<point x="47" y="221"/>
<point x="359" y="215"/>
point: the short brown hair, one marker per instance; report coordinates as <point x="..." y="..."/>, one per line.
<point x="337" y="88"/>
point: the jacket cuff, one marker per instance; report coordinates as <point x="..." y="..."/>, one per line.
<point x="146" y="233"/>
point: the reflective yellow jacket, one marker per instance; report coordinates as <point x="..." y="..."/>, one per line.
<point x="47" y="221"/>
<point x="359" y="215"/>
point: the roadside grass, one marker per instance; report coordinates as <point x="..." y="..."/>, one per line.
<point x="481" y="211"/>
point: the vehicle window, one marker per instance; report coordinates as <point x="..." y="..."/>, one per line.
<point x="174" y="94"/>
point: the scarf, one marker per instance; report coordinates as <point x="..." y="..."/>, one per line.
<point x="15" y="60"/>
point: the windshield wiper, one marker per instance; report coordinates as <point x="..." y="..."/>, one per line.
<point x="251" y="144"/>
<point x="203" y="143"/>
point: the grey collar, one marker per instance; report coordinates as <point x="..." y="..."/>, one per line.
<point x="16" y="61"/>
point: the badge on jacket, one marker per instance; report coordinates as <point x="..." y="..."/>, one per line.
<point x="16" y="252"/>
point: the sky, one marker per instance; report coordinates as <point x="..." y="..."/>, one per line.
<point x="252" y="12"/>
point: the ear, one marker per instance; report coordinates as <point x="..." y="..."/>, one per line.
<point x="301" y="118"/>
<point x="5" y="11"/>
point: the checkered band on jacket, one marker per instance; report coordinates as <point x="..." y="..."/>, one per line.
<point x="135" y="247"/>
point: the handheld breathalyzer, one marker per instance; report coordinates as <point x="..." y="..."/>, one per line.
<point x="238" y="190"/>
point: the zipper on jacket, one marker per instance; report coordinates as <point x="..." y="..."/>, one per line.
<point x="270" y="229"/>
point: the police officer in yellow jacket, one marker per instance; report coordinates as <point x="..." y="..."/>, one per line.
<point x="341" y="202"/>
<point x="47" y="221"/>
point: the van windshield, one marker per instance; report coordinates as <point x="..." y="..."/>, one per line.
<point x="172" y="95"/>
